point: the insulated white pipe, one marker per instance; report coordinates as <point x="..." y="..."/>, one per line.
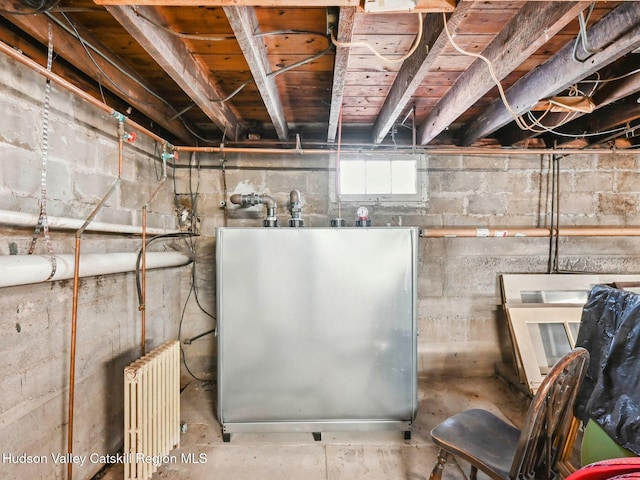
<point x="21" y="219"/>
<point x="26" y="269"/>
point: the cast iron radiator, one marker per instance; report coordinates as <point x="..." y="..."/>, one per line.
<point x="151" y="410"/>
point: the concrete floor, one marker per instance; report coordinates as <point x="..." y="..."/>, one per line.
<point x="339" y="456"/>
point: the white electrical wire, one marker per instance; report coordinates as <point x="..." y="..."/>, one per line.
<point x="573" y="90"/>
<point x="413" y="48"/>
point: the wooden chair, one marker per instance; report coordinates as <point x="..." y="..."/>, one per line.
<point x="502" y="451"/>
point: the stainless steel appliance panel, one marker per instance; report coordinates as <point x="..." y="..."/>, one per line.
<point x="316" y="324"/>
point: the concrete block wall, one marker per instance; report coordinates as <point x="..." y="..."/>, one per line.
<point x="462" y="329"/>
<point x="35" y="320"/>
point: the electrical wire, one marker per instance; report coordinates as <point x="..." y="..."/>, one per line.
<point x="413" y="48"/>
<point x="492" y="72"/>
<point x="517" y="118"/>
<point x="221" y="38"/>
<point x="41" y="8"/>
<point x="184" y="357"/>
<point x="87" y="45"/>
<point x="613" y="79"/>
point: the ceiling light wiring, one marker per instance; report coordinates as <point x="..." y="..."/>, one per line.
<point x="416" y="43"/>
<point x="492" y="72"/>
<point x="519" y="120"/>
<point x="614" y="79"/>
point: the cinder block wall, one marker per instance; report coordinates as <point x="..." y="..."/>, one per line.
<point x="462" y="330"/>
<point x="35" y="320"/>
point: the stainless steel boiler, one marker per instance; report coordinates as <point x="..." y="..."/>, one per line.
<point x="316" y="329"/>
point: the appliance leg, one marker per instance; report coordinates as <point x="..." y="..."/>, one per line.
<point x="226" y="437"/>
<point x="407" y="434"/>
<point x="317" y="436"/>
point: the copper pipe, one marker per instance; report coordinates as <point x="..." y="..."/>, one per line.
<point x="143" y="281"/>
<point x="11" y="52"/>
<point x="16" y="55"/>
<point x="530" y="232"/>
<point x="424" y="150"/>
<point x="74" y="308"/>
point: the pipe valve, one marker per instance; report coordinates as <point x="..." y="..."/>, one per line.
<point x="130" y="137"/>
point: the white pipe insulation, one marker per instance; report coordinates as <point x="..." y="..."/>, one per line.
<point x="21" y="219"/>
<point x="26" y="269"/>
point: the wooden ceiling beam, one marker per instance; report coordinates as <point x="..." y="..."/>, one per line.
<point x="234" y="3"/>
<point x="616" y="34"/>
<point x="527" y="31"/>
<point x="173" y="56"/>
<point x="415" y="68"/>
<point x="607" y="94"/>
<point x="607" y="118"/>
<point x="345" y="34"/>
<point x="244" y="23"/>
<point x="113" y="73"/>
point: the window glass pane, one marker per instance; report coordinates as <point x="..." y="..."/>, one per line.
<point x="379" y="177"/>
<point x="554" y="296"/>
<point x="352" y="177"/>
<point x="550" y="343"/>
<point x="403" y="176"/>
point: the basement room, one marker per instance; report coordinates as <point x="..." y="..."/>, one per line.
<point x="319" y="239"/>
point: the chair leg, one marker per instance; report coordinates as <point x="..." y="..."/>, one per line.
<point x="436" y="474"/>
<point x="474" y="473"/>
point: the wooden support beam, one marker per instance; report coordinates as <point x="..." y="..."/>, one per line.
<point x="345" y="34"/>
<point x="174" y="57"/>
<point x="605" y="95"/>
<point x="244" y="23"/>
<point x="527" y="31"/>
<point x="616" y="34"/>
<point x="416" y="67"/>
<point x="234" y="3"/>
<point x="115" y="75"/>
<point x="607" y="118"/>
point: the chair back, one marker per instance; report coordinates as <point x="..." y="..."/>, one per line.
<point x="548" y="419"/>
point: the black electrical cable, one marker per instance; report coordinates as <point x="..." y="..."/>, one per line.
<point x="189" y="341"/>
<point x="139" y="259"/>
<point x="184" y="357"/>
<point x="33" y="7"/>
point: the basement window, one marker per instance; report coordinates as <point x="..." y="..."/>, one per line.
<point x="381" y="177"/>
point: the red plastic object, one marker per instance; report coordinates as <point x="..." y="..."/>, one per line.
<point x="130" y="137"/>
<point x="617" y="468"/>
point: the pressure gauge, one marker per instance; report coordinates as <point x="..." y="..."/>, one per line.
<point x="362" y="217"/>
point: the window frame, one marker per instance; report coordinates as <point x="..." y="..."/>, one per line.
<point x="420" y="197"/>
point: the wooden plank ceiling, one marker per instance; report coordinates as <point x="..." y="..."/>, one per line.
<point x="252" y="72"/>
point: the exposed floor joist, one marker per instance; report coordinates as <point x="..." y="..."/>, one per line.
<point x="244" y="23"/>
<point x="113" y="73"/>
<point x="345" y="34"/>
<point x="527" y="31"/>
<point x="616" y="34"/>
<point x="174" y="57"/>
<point x="237" y="3"/>
<point x="607" y="94"/>
<point x="609" y="117"/>
<point x="416" y="67"/>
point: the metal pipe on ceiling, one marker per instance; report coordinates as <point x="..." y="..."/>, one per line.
<point x="468" y="232"/>
<point x="16" y="55"/>
<point x="403" y="149"/>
